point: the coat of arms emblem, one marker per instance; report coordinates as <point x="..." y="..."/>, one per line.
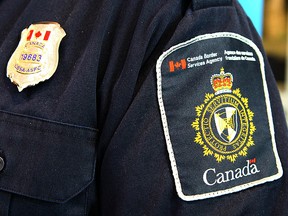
<point x="224" y="122"/>
<point x="36" y="57"/>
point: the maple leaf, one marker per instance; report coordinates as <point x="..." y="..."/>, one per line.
<point x="38" y="34"/>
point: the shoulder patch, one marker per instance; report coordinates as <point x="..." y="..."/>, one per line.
<point x="216" y="116"/>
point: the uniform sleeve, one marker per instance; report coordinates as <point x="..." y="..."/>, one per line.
<point x="140" y="157"/>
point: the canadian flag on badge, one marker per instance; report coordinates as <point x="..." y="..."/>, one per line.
<point x="44" y="35"/>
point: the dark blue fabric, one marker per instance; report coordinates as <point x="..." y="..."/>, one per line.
<point x="48" y="154"/>
<point x="198" y="4"/>
<point x="105" y="87"/>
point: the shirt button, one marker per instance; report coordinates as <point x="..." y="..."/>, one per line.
<point x="2" y="163"/>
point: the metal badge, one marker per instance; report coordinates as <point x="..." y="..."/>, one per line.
<point x="36" y="57"/>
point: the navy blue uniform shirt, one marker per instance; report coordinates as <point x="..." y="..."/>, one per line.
<point x="90" y="140"/>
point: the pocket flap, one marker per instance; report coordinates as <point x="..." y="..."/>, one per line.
<point x="45" y="160"/>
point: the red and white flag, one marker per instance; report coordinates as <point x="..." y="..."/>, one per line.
<point x="44" y="35"/>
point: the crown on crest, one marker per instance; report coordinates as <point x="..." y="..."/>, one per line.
<point x="222" y="83"/>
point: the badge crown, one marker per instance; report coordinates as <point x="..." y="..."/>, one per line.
<point x="222" y="82"/>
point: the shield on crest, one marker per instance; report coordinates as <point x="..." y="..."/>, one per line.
<point x="36" y="56"/>
<point x="226" y="123"/>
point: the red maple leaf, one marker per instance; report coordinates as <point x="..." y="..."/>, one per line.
<point x="38" y="34"/>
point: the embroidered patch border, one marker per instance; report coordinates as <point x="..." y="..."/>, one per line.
<point x="170" y="149"/>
